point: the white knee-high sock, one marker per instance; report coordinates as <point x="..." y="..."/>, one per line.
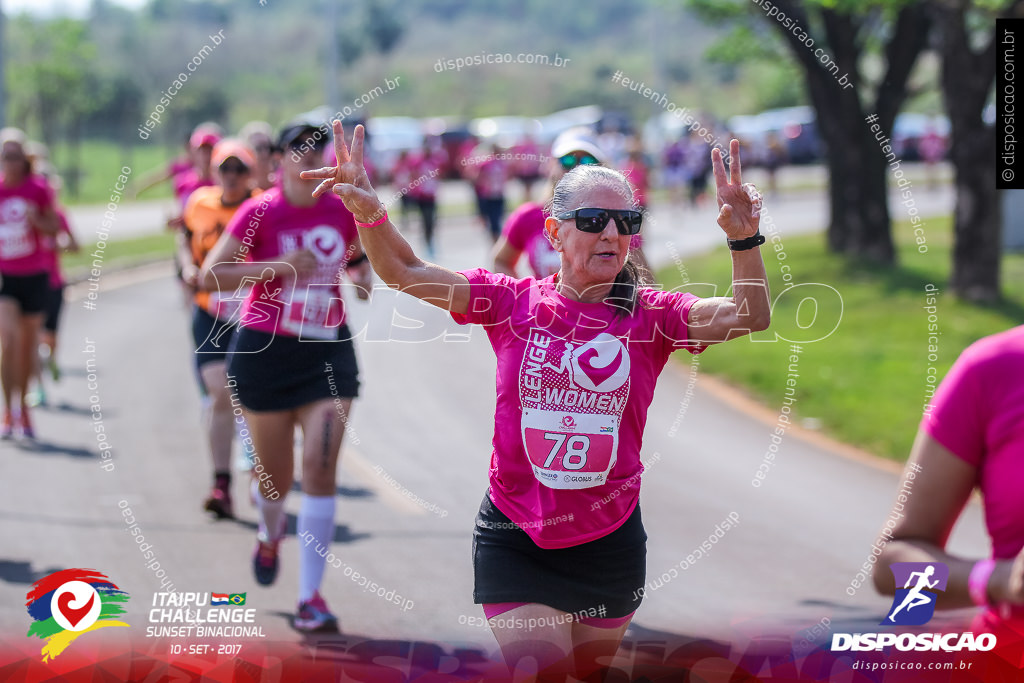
<point x="316" y="518"/>
<point x="271" y="518"/>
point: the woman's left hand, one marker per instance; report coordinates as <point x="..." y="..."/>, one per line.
<point x="739" y="204"/>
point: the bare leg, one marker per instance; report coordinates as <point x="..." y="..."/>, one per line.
<point x="273" y="440"/>
<point x="10" y="348"/>
<point x="220" y="418"/>
<point x="594" y="648"/>
<point x="28" y="355"/>
<point x="536" y="642"/>
<point x="322" y="432"/>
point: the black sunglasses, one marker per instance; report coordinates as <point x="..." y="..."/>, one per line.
<point x="571" y="161"/>
<point x="240" y="169"/>
<point x="627" y="221"/>
<point x="306" y="142"/>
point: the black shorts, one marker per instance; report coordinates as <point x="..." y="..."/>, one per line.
<point x="54" y="303"/>
<point x="212" y="337"/>
<point x="29" y="291"/>
<point x="278" y="372"/>
<point x="608" y="572"/>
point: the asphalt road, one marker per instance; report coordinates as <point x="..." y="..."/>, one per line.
<point x="425" y="419"/>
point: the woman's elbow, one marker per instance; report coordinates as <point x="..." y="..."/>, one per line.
<point x="207" y="280"/>
<point x="761" y="322"/>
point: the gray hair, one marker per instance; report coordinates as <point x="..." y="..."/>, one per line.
<point x="585" y="178"/>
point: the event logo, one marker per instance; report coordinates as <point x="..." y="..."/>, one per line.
<point x="325" y="243"/>
<point x="602" y="364"/>
<point x="914" y="603"/>
<point x="13" y="210"/>
<point x="68" y="603"/>
<point x="227" y="599"/>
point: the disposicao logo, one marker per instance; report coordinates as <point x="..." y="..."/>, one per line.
<point x="914" y="603"/>
<point x="917" y="587"/>
<point x="68" y="603"/>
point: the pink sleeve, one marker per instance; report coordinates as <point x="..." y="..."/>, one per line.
<point x="675" y="308"/>
<point x="956" y="419"/>
<point x="520" y="226"/>
<point x="491" y="297"/>
<point x="45" y="196"/>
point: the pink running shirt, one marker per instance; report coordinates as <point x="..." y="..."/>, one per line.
<point x="574" y="382"/>
<point x="21" y="245"/>
<point x="978" y="414"/>
<point x="269" y="227"/>
<point x="524" y="230"/>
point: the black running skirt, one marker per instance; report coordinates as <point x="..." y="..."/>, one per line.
<point x="509" y="567"/>
<point x="278" y="372"/>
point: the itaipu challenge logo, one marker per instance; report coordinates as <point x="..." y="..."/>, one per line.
<point x="69" y="603"/>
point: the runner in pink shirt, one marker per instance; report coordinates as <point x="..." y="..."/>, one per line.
<point x="578" y="354"/>
<point x="489" y="177"/>
<point x="293" y="362"/>
<point x="523" y="232"/>
<point x="971" y="435"/>
<point x="27" y="217"/>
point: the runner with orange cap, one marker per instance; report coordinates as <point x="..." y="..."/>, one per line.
<point x="208" y="211"/>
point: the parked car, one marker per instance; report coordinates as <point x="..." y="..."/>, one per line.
<point x="910" y="127"/>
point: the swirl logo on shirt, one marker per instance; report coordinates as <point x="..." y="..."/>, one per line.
<point x="325" y="242"/>
<point x="14" y="210"/>
<point x="601" y="365"/>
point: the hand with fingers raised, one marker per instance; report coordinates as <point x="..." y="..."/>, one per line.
<point x="349" y="179"/>
<point x="739" y="203"/>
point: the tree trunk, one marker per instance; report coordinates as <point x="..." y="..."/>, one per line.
<point x="967" y="76"/>
<point x="858" y="170"/>
<point x="978" y="217"/>
<point x="859" y="213"/>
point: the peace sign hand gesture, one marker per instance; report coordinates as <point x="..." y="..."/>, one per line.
<point x="349" y="179"/>
<point x="739" y="204"/>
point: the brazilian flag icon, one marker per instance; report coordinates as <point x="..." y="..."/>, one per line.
<point x="237" y="598"/>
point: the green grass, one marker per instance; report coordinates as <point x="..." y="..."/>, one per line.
<point x="120" y="253"/>
<point x="101" y="163"/>
<point x="865" y="383"/>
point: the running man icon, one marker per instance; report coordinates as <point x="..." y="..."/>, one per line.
<point x="921" y="582"/>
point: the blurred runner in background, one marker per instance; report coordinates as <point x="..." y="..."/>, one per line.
<point x="27" y="217"/>
<point x="207" y="213"/>
<point x="293" y="362"/>
<point x="259" y="136"/>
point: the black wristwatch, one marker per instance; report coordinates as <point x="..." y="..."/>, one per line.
<point x="754" y="240"/>
<point x="357" y="260"/>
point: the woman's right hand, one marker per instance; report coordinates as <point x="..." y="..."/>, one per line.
<point x="349" y="179"/>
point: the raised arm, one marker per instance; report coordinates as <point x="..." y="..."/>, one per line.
<point x="390" y="254"/>
<point x="719" y="319"/>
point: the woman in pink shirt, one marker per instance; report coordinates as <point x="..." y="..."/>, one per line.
<point x="27" y="217"/>
<point x="578" y="355"/>
<point x="292" y="362"/>
<point x="972" y="435"/>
